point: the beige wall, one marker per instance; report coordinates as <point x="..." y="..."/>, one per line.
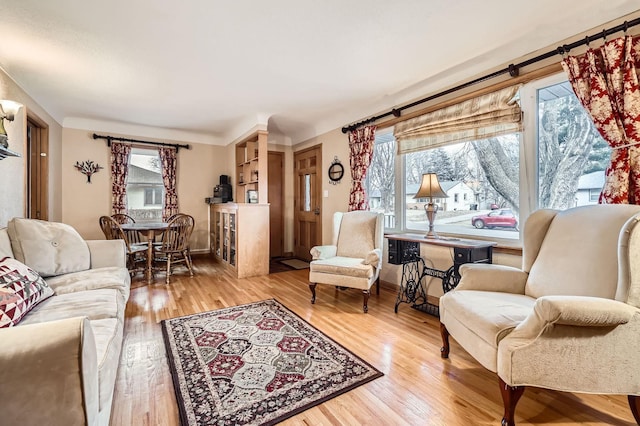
<point x="83" y="203"/>
<point x="13" y="169"/>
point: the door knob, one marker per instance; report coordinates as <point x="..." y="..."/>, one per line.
<point x="317" y="211"/>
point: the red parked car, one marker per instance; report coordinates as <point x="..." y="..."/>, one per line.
<point x="503" y="218"/>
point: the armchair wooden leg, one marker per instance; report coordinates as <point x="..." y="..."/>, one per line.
<point x="444" y="350"/>
<point x="312" y="287"/>
<point x="378" y="286"/>
<point x="634" y="404"/>
<point x="510" y="397"/>
<point x="365" y="306"/>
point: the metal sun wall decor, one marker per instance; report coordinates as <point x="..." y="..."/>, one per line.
<point x="88" y="168"/>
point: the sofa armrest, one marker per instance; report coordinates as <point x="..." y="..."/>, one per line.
<point x="489" y="277"/>
<point x="323" y="252"/>
<point x="53" y="363"/>
<point x="106" y="253"/>
<point x="374" y="258"/>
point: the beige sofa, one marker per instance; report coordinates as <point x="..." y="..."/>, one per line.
<point x="58" y="365"/>
<point x="568" y="319"/>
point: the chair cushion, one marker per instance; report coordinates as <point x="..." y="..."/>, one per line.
<point x="49" y="248"/>
<point x="340" y="265"/>
<point x="571" y="243"/>
<point x="21" y="288"/>
<point x="489" y="315"/>
<point x="357" y="234"/>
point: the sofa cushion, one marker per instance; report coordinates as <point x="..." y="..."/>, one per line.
<point x="21" y="289"/>
<point x="92" y="279"/>
<point x="5" y="244"/>
<point x="49" y="248"/>
<point x="94" y="304"/>
<point x="357" y="234"/>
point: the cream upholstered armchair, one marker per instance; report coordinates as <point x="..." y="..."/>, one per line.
<point x="569" y="319"/>
<point x="354" y="258"/>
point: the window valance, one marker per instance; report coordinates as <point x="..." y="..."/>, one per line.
<point x="482" y="117"/>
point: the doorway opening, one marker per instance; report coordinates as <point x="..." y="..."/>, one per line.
<point x="37" y="160"/>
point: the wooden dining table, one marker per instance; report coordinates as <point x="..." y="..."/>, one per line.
<point x="149" y="231"/>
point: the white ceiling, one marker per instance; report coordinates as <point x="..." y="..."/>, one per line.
<point x="213" y="69"/>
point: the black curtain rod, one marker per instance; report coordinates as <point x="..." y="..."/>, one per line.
<point x="113" y="138"/>
<point x="512" y="69"/>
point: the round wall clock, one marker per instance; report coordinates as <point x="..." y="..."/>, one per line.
<point x="336" y="171"/>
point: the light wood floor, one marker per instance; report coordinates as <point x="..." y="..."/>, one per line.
<point x="418" y="387"/>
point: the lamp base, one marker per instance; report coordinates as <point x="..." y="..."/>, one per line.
<point x="432" y="235"/>
<point x="431" y="210"/>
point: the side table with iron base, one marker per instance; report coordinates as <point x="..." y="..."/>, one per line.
<point x="404" y="249"/>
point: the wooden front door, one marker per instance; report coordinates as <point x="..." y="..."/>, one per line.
<point x="276" y="203"/>
<point x="307" y="201"/>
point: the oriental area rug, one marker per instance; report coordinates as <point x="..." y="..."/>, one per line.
<point x="255" y="364"/>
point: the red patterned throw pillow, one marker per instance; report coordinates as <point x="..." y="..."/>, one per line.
<point x="21" y="288"/>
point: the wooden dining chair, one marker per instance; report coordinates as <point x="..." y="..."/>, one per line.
<point x="136" y="252"/>
<point x="134" y="236"/>
<point x="174" y="248"/>
<point x="173" y="216"/>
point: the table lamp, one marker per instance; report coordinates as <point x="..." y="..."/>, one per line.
<point x="430" y="188"/>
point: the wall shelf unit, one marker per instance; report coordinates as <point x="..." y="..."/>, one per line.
<point x="252" y="168"/>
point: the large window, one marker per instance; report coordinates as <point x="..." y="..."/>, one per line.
<point x="145" y="190"/>
<point x="558" y="162"/>
<point x="485" y="171"/>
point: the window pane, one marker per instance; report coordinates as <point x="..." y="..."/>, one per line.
<point x="572" y="156"/>
<point x="380" y="179"/>
<point x="485" y="172"/>
<point x="307" y="193"/>
<point x="144" y="186"/>
<point x="148" y="196"/>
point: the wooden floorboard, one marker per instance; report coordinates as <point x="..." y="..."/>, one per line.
<point x="418" y="387"/>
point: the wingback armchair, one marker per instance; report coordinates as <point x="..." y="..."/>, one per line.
<point x="354" y="258"/>
<point x="568" y="319"/>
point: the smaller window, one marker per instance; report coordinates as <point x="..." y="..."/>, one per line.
<point x="455" y="197"/>
<point x="594" y="195"/>
<point x="464" y="196"/>
<point x="153" y="196"/>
